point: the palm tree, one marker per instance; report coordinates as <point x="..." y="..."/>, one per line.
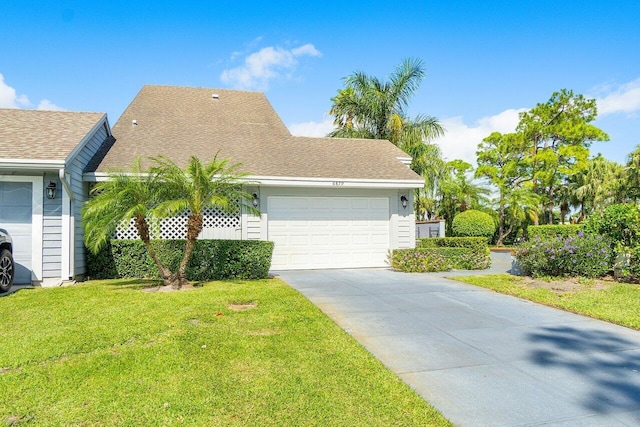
<point x="459" y="192"/>
<point x="195" y="188"/>
<point x="124" y="197"/>
<point x="374" y="109"/>
<point x="598" y="184"/>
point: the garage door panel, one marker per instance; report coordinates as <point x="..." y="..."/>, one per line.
<point x="16" y="218"/>
<point x="328" y="232"/>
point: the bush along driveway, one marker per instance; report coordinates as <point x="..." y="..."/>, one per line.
<point x="480" y="357"/>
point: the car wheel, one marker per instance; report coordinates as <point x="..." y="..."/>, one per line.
<point x="6" y="270"/>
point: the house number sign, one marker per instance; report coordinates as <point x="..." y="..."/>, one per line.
<point x="338" y="183"/>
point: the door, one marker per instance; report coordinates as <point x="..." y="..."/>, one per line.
<point x="328" y="232"/>
<point x="15" y="217"/>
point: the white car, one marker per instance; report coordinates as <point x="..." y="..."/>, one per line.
<point x="7" y="267"/>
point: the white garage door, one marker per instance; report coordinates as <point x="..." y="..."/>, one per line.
<point x="328" y="232"/>
<point x="15" y="217"/>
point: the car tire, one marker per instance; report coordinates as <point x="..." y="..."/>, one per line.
<point x="7" y="270"/>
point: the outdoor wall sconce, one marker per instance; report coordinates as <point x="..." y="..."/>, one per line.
<point x="256" y="200"/>
<point x="51" y="190"/>
<point x="404" y="201"/>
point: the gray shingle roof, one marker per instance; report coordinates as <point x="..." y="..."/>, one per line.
<point x="43" y="135"/>
<point x="179" y="122"/>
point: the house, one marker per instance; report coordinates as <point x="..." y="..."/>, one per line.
<point x="325" y="202"/>
<point x="43" y="155"/>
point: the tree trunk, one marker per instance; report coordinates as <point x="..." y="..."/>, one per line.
<point x="501" y="234"/>
<point x="194" y="227"/>
<point x="143" y="231"/>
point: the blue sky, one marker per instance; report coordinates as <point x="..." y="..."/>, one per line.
<point x="485" y="61"/>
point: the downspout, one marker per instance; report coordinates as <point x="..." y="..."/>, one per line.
<point x="70" y="225"/>
<point x="65" y="184"/>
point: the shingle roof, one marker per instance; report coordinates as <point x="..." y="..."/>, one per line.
<point x="43" y="135"/>
<point x="178" y="122"/>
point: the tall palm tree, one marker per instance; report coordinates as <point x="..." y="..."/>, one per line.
<point x="195" y="188"/>
<point x="368" y="107"/>
<point x="124" y="197"/>
<point x="598" y="184"/>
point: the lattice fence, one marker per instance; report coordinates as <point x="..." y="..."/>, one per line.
<point x="176" y="227"/>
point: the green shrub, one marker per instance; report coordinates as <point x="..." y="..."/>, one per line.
<point x="475" y="243"/>
<point x="421" y="260"/>
<point x="585" y="255"/>
<point x="473" y="223"/>
<point x="552" y="231"/>
<point x="211" y="259"/>
<point x="621" y="222"/>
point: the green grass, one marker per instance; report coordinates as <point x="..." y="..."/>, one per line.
<point x="618" y="303"/>
<point x="106" y="353"/>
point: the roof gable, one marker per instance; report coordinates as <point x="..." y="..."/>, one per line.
<point x="179" y="122"/>
<point x="43" y="135"/>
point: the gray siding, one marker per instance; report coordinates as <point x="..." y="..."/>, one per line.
<point x="52" y="230"/>
<point x="80" y="191"/>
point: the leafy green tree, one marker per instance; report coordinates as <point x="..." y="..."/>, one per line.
<point x="428" y="162"/>
<point x="117" y="201"/>
<point x="502" y="159"/>
<point x="559" y="133"/>
<point x="458" y="192"/>
<point x="632" y="181"/>
<point x="196" y="188"/>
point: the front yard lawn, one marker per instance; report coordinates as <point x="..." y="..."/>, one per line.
<point x="607" y="300"/>
<point x="230" y="353"/>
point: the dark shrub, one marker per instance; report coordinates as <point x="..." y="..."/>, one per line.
<point x="473" y="223"/>
<point x="583" y="255"/>
<point x="552" y="231"/>
<point x="211" y="259"/>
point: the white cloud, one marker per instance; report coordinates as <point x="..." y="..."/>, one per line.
<point x="9" y="98"/>
<point x="311" y="128"/>
<point x="265" y="65"/>
<point x="461" y="140"/>
<point x="624" y="98"/>
<point x="45" y="104"/>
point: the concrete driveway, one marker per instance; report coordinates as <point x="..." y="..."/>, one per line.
<point x="481" y="358"/>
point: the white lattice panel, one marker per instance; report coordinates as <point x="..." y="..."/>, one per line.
<point x="176" y="227"/>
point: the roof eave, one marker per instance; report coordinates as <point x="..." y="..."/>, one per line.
<point x="287" y="181"/>
<point x="31" y="165"/>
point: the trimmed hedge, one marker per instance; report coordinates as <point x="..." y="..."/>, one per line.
<point x="553" y="231"/>
<point x="211" y="259"/>
<point x="438" y="259"/>
<point x="477" y="243"/>
<point x="443" y="254"/>
<point x="474" y="223"/>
